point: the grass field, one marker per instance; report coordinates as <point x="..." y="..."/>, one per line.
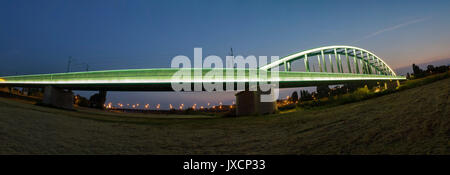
<point x="412" y="121"/>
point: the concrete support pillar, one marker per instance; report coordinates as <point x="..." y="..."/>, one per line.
<point x="249" y="103"/>
<point x="58" y="97"/>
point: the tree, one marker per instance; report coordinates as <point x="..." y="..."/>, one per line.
<point x="430" y="69"/>
<point x="81" y="101"/>
<point x="441" y="69"/>
<point x="323" y="91"/>
<point x="95" y="101"/>
<point x="417" y="71"/>
<point x="305" y="95"/>
<point x="294" y="97"/>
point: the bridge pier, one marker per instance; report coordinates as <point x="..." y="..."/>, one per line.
<point x="58" y="97"/>
<point x="249" y="103"/>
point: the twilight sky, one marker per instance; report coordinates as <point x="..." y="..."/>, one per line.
<point x="39" y="36"/>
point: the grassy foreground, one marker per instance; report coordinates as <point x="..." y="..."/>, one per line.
<point x="411" y="121"/>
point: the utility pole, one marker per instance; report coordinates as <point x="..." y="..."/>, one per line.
<point x="87" y="67"/>
<point x="232" y="55"/>
<point x="68" y="64"/>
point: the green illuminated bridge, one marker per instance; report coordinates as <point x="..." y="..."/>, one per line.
<point x="335" y="65"/>
<point x="321" y="66"/>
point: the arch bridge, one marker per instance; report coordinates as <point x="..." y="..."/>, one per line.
<point x="335" y="65"/>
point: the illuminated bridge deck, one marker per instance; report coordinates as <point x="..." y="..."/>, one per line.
<point x="161" y="79"/>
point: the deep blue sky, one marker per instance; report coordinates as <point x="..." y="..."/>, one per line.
<point x="39" y="36"/>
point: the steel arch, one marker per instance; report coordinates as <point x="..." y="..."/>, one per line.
<point x="336" y="50"/>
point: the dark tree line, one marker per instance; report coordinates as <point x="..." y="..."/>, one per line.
<point x="326" y="91"/>
<point x="419" y="73"/>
